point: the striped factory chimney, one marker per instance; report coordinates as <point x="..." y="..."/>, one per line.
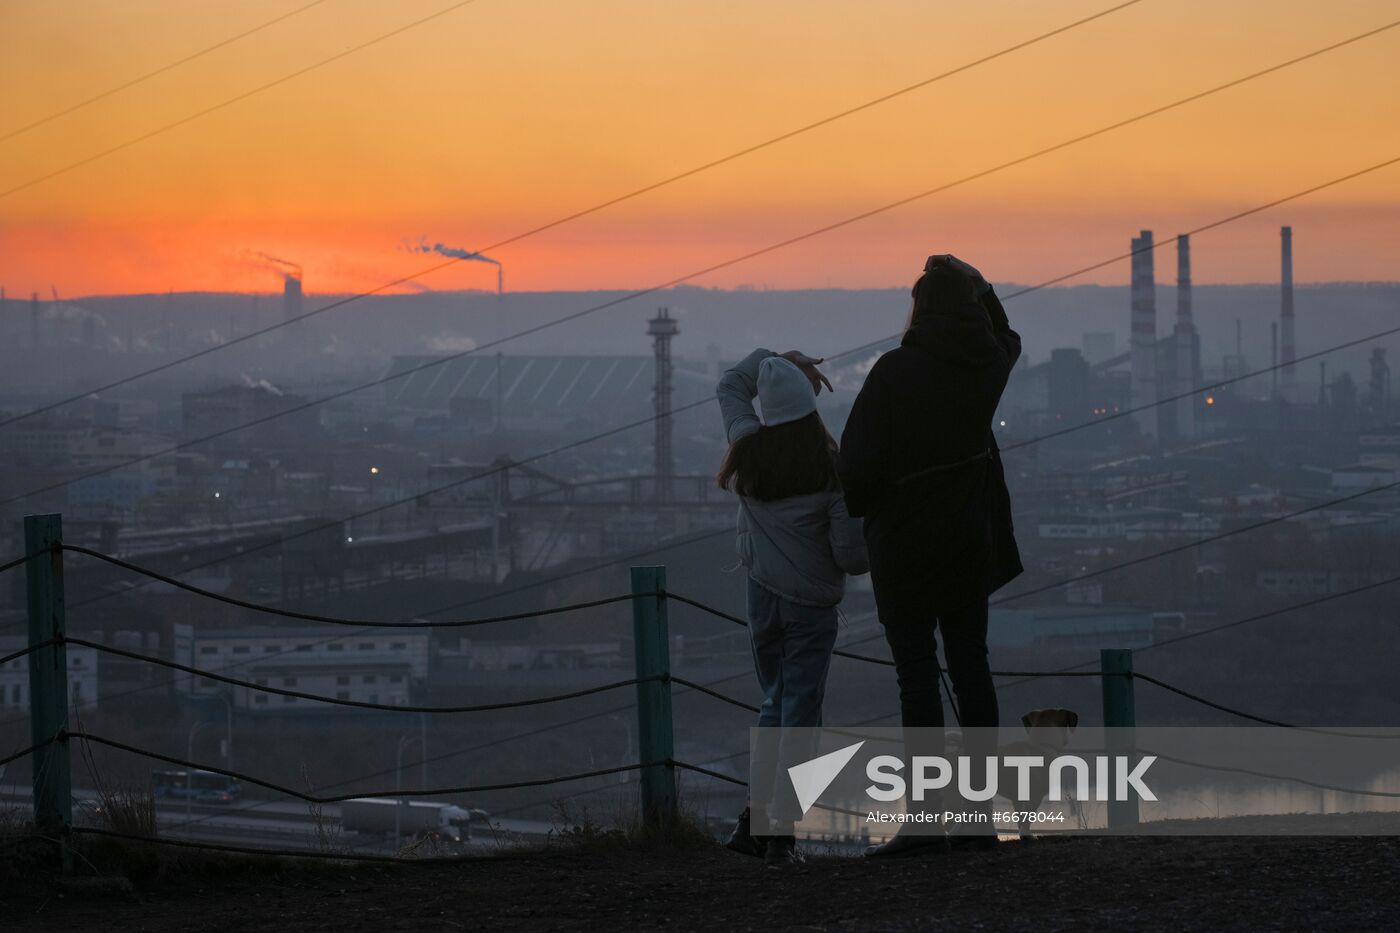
<point x="1144" y="334"/>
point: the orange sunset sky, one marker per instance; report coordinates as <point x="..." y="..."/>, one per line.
<point x="505" y="114"/>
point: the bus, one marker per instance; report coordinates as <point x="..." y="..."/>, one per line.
<point x="199" y="786"/>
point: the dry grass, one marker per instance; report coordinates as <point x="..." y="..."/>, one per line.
<point x="129" y="809"/>
<point x="329" y="833"/>
<point x="621" y="825"/>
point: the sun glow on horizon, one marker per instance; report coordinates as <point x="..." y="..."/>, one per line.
<point x="498" y="118"/>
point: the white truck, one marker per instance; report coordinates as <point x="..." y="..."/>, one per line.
<point x="415" y="819"/>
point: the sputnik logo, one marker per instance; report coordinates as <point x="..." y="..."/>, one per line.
<point x="811" y="778"/>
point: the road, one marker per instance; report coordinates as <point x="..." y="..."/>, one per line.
<point x="279" y="824"/>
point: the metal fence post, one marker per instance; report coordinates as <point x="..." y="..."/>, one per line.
<point x="1120" y="723"/>
<point x="653" y="668"/>
<point x="48" y="675"/>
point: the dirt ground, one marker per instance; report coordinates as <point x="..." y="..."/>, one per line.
<point x="1176" y="883"/>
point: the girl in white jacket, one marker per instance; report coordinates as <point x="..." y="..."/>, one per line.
<point x="799" y="543"/>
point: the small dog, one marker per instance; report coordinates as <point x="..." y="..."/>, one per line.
<point x="1047" y="734"/>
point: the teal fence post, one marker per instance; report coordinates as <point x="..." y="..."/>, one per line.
<point x="48" y="676"/>
<point x="655" y="740"/>
<point x="1120" y="725"/>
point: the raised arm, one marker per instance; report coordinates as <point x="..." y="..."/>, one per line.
<point x="736" y="391"/>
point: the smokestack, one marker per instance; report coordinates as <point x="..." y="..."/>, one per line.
<point x="470" y="255"/>
<point x="34" y="320"/>
<point x="1273" y="356"/>
<point x="291" y="297"/>
<point x="1288" y="348"/>
<point x="1186" y="346"/>
<point x="662" y="328"/>
<point x="1144" y="334"/>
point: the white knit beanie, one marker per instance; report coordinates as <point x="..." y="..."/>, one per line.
<point x="784" y="392"/>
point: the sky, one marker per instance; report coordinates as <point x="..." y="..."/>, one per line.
<point x="505" y="114"/>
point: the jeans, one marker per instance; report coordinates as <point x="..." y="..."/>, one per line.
<point x="792" y="647"/>
<point x="911" y="631"/>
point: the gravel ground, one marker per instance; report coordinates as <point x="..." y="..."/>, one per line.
<point x="1143" y="883"/>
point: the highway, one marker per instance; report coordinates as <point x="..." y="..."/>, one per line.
<point x="282" y="825"/>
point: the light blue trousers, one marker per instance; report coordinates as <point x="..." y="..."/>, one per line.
<point x="792" y="647"/>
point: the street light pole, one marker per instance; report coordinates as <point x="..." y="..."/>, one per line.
<point x="398" y="788"/>
<point x="423" y="748"/>
<point x="228" y="710"/>
<point x="189" y="772"/>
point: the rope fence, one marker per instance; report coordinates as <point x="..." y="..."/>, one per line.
<point x="337" y="620"/>
<point x="341" y="798"/>
<point x="657" y="766"/>
<point x="358" y="704"/>
<point x="520" y="616"/>
<point x="9" y="565"/>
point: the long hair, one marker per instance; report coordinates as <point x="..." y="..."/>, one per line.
<point x="939" y="289"/>
<point x="783" y="460"/>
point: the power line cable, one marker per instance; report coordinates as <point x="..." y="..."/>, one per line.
<point x="744" y="258"/>
<point x="602" y="205"/>
<point x="1021" y="292"/>
<point x="1198" y="542"/>
<point x="35" y="124"/>
<point x="1203" y="701"/>
<point x="717" y="533"/>
<point x="1156" y="245"/>
<point x="127" y="144"/>
<point x="1292" y="607"/>
<point x="377" y="509"/>
<point x="1258" y="617"/>
<point x="874" y="344"/>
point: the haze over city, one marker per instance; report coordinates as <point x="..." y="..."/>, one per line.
<point x="359" y="449"/>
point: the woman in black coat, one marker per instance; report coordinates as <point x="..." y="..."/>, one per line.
<point x="920" y="464"/>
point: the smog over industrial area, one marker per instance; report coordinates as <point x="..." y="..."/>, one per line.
<point x="341" y="528"/>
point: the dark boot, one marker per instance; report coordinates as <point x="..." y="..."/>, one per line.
<point x="782" y="852"/>
<point x="742" y="840"/>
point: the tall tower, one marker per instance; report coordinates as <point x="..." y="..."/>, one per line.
<point x="291" y="297"/>
<point x="1144" y="334"/>
<point x="1287" y="348"/>
<point x="299" y="340"/>
<point x="34" y="321"/>
<point x="662" y="328"/>
<point x="1273" y="356"/>
<point x="1186" y="345"/>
